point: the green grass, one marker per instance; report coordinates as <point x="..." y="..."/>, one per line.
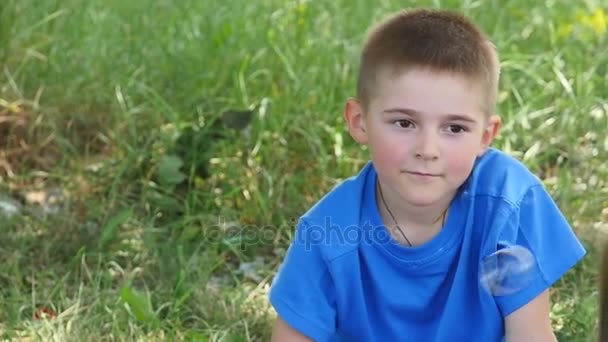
<point x="104" y="97"/>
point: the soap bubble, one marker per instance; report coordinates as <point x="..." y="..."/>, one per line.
<point x="507" y="270"/>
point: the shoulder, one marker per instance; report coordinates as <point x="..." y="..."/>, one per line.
<point x="499" y="175"/>
<point x="512" y="207"/>
<point x="343" y="199"/>
<point x="333" y="222"/>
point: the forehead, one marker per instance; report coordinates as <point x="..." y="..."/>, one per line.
<point x="427" y="91"/>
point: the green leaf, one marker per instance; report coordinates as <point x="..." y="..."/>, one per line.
<point x="195" y="336"/>
<point x="169" y="170"/>
<point x="109" y="230"/>
<point x="139" y="304"/>
<point x="237" y="119"/>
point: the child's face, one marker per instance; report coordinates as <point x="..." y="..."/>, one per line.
<point x="424" y="130"/>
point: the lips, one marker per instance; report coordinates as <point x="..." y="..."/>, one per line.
<point x="423" y="174"/>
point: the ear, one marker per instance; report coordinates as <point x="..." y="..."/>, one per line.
<point x="489" y="132"/>
<point x="355" y="119"/>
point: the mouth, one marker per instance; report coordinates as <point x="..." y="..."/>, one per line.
<point x="423" y="174"/>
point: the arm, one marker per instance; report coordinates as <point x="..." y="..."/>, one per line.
<point x="530" y="322"/>
<point x="284" y="333"/>
<point x="303" y="292"/>
<point x="543" y="229"/>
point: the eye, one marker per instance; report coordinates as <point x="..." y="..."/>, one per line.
<point x="403" y="123"/>
<point x="457" y="129"/>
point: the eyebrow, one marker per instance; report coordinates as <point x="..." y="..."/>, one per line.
<point x="415" y="113"/>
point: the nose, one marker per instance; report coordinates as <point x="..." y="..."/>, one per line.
<point x="427" y="147"/>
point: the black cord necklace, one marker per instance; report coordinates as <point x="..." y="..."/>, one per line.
<point x="395" y="220"/>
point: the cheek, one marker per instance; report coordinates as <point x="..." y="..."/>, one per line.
<point x="461" y="156"/>
<point x="461" y="165"/>
<point x="386" y="152"/>
<point x="383" y="156"/>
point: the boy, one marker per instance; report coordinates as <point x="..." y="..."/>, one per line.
<point x="394" y="253"/>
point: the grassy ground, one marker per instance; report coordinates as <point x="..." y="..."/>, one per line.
<point x="149" y="213"/>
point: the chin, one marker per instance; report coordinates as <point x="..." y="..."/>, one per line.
<point x="423" y="202"/>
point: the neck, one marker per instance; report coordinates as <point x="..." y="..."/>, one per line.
<point x="409" y="214"/>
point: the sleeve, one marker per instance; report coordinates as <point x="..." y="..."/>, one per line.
<point x="302" y="292"/>
<point x="540" y="227"/>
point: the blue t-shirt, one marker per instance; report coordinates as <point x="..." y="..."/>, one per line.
<point x="345" y="279"/>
